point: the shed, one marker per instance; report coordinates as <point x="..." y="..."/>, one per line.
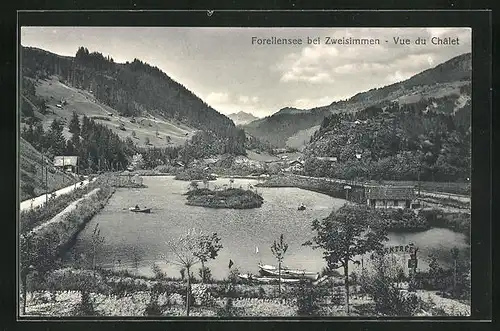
<point x="66" y="163"/>
<point x="390" y="196"/>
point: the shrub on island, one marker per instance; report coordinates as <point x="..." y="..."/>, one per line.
<point x="234" y="198"/>
<point x="194" y="174"/>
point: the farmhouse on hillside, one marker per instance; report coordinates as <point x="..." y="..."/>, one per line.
<point x="327" y="158"/>
<point x="66" y="163"/>
<point x="390" y="196"/>
<point x="296" y="166"/>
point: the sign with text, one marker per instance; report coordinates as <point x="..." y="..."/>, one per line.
<point x="411" y="249"/>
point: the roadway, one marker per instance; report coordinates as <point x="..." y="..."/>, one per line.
<point x="40" y="200"/>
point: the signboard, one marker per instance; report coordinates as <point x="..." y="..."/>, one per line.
<point x="411" y="249"/>
<point x="412" y="263"/>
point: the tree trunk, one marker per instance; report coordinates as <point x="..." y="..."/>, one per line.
<point x="202" y="272"/>
<point x="24" y="277"/>
<point x="93" y="260"/>
<point x="188" y="292"/>
<point x="279" y="278"/>
<point x="346" y="285"/>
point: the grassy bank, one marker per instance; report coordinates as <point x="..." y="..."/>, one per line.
<point x="335" y="190"/>
<point x="458" y="222"/>
<point x="32" y="180"/>
<point x="31" y="218"/>
<point x="83" y="292"/>
<point x="234" y="198"/>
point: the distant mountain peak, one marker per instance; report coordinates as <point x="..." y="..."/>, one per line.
<point x="241" y="117"/>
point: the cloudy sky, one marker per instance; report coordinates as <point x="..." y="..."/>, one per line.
<point x="223" y="67"/>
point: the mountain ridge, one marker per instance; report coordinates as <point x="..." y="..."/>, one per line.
<point x="442" y="80"/>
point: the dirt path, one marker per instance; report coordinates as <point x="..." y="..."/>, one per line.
<point x="65" y="211"/>
<point x="40" y="200"/>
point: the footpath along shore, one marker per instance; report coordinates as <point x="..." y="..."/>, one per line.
<point x="40" y="200"/>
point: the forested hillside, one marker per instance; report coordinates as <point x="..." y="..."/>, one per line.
<point x="277" y="128"/>
<point x="132" y="88"/>
<point x="427" y="140"/>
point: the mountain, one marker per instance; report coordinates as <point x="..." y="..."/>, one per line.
<point x="126" y="97"/>
<point x="417" y="130"/>
<point x="277" y="128"/>
<point x="444" y="83"/>
<point x="241" y="118"/>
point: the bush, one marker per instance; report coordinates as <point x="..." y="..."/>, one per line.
<point x="159" y="274"/>
<point x="389" y="300"/>
<point x="307" y="299"/>
<point x="205" y="274"/>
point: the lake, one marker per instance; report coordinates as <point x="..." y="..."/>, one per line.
<point x="246" y="235"/>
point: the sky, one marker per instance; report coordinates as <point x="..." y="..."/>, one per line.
<point x="230" y="70"/>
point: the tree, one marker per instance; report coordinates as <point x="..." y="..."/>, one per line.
<point x="36" y="253"/>
<point x="181" y="253"/>
<point x="74" y="125"/>
<point x="137" y="161"/>
<point x="208" y="248"/>
<point x="279" y="249"/>
<point x="97" y="241"/>
<point x="55" y="138"/>
<point x="193" y="185"/>
<point x="345" y="233"/>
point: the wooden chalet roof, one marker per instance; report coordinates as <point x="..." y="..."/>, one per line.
<point x="60" y="161"/>
<point x="390" y="192"/>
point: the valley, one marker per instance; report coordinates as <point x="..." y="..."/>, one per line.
<point x="194" y="174"/>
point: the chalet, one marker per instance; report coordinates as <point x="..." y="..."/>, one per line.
<point x="390" y="196"/>
<point x="327" y="158"/>
<point x="66" y="163"/>
<point x="296" y="165"/>
<point x="178" y="164"/>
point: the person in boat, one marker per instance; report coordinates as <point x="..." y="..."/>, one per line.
<point x="137" y="207"/>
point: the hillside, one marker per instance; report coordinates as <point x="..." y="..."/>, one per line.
<point x="279" y="127"/>
<point x="428" y="140"/>
<point x="30" y="173"/>
<point x="95" y="85"/>
<point x="242" y="118"/>
<point x="170" y="132"/>
<point x="443" y="84"/>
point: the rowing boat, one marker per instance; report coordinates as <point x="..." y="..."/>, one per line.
<point x="269" y="270"/>
<point x="140" y="210"/>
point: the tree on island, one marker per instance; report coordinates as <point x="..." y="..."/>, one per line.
<point x="279" y="249"/>
<point x="347" y="232"/>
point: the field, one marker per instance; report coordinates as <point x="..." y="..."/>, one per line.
<point x="84" y="103"/>
<point x="301" y="138"/>
<point x="445" y="187"/>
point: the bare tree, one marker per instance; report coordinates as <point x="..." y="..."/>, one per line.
<point x="181" y="253"/>
<point x="279" y="249"/>
<point x="97" y="241"/>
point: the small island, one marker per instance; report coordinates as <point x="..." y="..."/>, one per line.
<point x="194" y="174"/>
<point x="234" y="198"/>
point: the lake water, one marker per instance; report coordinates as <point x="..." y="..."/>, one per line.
<point x="128" y="235"/>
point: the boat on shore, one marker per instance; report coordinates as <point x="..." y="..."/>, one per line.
<point x="269" y="270"/>
<point x="268" y="280"/>
<point x="140" y="210"/>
